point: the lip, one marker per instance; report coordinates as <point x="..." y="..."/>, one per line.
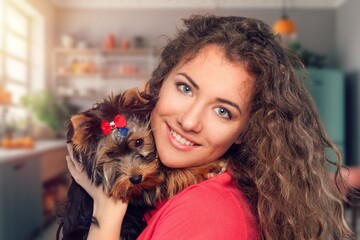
<point x="176" y="144"/>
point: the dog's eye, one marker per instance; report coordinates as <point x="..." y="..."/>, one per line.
<point x="139" y="142"/>
<point x="111" y="154"/>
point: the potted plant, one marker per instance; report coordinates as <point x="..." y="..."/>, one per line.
<point x="48" y="110"/>
<point x="309" y="59"/>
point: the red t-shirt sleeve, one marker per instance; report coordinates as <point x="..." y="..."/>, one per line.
<point x="200" y="215"/>
<point x="201" y="218"/>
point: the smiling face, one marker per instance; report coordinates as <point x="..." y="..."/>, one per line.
<point x="202" y="109"/>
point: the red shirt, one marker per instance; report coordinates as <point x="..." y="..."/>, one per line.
<point x="212" y="209"/>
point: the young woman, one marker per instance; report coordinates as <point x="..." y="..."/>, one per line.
<point x="226" y="87"/>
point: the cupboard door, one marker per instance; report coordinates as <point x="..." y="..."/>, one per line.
<point x="21" y="209"/>
<point x="328" y="90"/>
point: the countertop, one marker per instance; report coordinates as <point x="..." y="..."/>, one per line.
<point x="41" y="146"/>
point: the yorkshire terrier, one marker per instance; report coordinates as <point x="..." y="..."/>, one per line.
<point x="114" y="143"/>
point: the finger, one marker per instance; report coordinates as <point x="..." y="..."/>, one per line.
<point x="70" y="150"/>
<point x="70" y="165"/>
<point x="77" y="164"/>
<point x="76" y="172"/>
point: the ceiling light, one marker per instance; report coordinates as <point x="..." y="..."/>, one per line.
<point x="285" y="26"/>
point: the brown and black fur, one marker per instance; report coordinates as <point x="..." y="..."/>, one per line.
<point x="127" y="168"/>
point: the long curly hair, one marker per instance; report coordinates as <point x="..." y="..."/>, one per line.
<point x="281" y="164"/>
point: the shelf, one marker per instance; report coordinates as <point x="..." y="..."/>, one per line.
<point x="117" y="51"/>
<point x="103" y="75"/>
<point x="88" y="97"/>
<point x="128" y="52"/>
<point x="10" y="105"/>
<point x="77" y="51"/>
<point x="78" y="75"/>
<point x="73" y="67"/>
<point x="124" y="75"/>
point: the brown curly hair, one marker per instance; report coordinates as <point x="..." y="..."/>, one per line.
<point x="281" y="164"/>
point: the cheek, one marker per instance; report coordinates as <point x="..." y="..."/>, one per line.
<point x="224" y="136"/>
<point x="167" y="104"/>
<point x="157" y="119"/>
<point x="154" y="121"/>
<point x="223" y="142"/>
<point x="156" y="115"/>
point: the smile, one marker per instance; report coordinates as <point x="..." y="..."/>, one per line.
<point x="181" y="139"/>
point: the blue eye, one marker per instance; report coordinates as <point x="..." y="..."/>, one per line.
<point x="223" y="112"/>
<point x="184" y="88"/>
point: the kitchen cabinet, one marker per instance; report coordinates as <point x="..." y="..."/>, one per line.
<point x="25" y="178"/>
<point x="20" y="201"/>
<point x="327" y="87"/>
<point x="84" y="73"/>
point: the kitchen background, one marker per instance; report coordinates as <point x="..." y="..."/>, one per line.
<point x="59" y="57"/>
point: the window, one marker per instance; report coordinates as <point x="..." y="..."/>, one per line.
<point x="18" y="40"/>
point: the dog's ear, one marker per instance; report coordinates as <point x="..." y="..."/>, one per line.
<point x="133" y="97"/>
<point x="79" y="123"/>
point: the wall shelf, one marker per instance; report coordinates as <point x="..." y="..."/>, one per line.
<point x="91" y="73"/>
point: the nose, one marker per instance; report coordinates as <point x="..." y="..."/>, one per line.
<point x="191" y="118"/>
<point x="135" y="179"/>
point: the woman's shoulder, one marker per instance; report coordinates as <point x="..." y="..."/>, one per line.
<point x="212" y="209"/>
<point x="219" y="197"/>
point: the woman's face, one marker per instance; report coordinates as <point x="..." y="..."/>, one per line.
<point x="203" y="107"/>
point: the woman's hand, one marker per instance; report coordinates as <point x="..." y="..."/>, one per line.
<point x="77" y="172"/>
<point x="108" y="211"/>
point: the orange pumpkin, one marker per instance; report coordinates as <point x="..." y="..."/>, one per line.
<point x="7" y="142"/>
<point x="28" y="142"/>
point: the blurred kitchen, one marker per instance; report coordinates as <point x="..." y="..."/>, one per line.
<point x="58" y="57"/>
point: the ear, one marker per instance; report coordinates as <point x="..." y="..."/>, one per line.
<point x="79" y="125"/>
<point x="133" y="97"/>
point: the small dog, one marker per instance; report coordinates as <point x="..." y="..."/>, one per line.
<point x="113" y="141"/>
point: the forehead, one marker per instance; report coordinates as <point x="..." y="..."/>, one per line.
<point x="213" y="57"/>
<point x="214" y="72"/>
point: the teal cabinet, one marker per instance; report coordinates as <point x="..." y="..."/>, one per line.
<point x="327" y="87"/>
<point x="20" y="199"/>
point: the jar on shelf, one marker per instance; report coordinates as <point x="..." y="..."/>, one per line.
<point x="110" y="42"/>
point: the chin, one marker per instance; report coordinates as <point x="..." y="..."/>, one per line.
<point x="173" y="163"/>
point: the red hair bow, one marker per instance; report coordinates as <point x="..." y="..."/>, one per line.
<point x="119" y="123"/>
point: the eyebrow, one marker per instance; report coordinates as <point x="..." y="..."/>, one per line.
<point x="229" y="103"/>
<point x="222" y="100"/>
<point x="190" y="80"/>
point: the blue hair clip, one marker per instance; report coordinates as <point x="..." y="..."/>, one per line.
<point x="123" y="131"/>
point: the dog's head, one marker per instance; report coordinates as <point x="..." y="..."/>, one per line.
<point x="114" y="143"/>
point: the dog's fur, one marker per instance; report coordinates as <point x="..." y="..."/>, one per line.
<point x="126" y="167"/>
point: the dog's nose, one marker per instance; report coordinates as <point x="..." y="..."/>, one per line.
<point x="136" y="179"/>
